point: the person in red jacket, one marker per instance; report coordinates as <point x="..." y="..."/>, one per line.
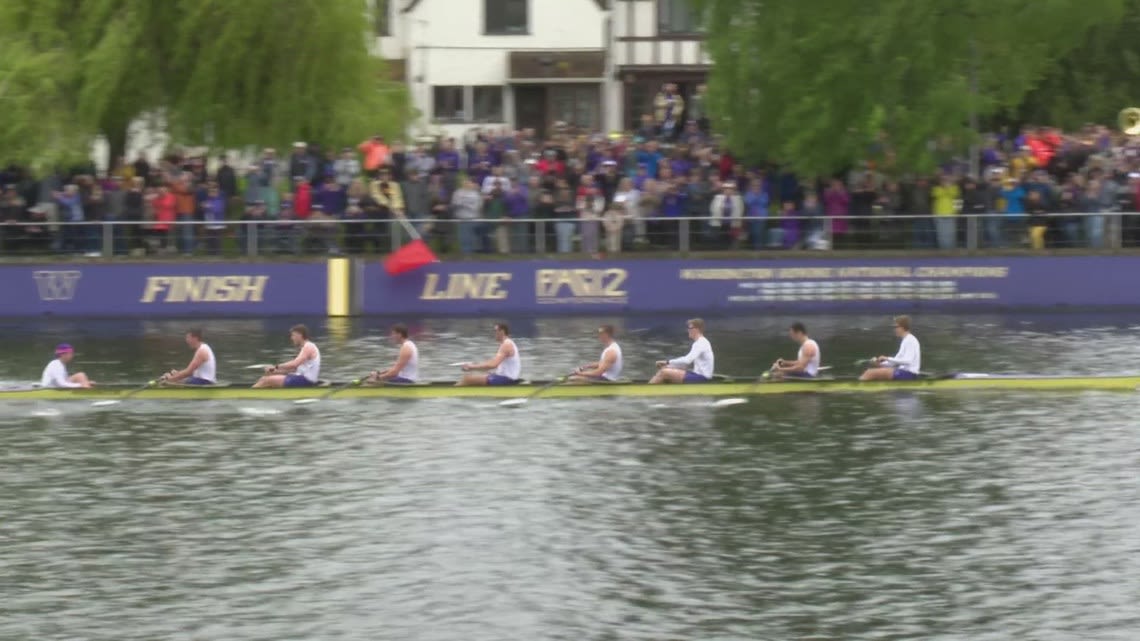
<point x="303" y="199"/>
<point x="165" y="212"/>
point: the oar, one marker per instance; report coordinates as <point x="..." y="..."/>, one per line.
<point x="515" y="402"/>
<point x="258" y="366"/>
<point x="110" y="402"/>
<point x="766" y="376"/>
<point x="309" y="401"/>
<point x="459" y="364"/>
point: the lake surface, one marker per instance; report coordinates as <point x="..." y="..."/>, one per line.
<point x="947" y="516"/>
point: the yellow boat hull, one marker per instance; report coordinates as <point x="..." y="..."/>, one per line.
<point x="714" y="389"/>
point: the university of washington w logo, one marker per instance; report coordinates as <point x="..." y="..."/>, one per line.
<point x="56" y="284"/>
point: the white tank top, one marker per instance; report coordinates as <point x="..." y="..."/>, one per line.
<point x="812" y="367"/>
<point x="311" y="369"/>
<point x="411" y="370"/>
<point x="208" y="370"/>
<point x="511" y="367"/>
<point x="614" y="372"/>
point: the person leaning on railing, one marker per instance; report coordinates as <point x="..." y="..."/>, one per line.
<point x="1038" y="220"/>
<point x="467" y="206"/>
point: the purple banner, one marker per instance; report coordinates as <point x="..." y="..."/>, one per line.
<point x="164" y="289"/>
<point x="648" y="285"/>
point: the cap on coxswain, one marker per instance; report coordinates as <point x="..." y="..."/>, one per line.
<point x="63" y="348"/>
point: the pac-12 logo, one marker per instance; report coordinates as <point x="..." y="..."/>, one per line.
<point x="53" y="285"/>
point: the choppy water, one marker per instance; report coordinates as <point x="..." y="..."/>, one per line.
<point x="901" y="516"/>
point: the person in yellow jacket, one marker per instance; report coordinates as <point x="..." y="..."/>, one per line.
<point x="388" y="195"/>
<point x="946" y="201"/>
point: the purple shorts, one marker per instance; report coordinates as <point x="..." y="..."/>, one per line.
<point x="495" y="379"/>
<point x="296" y="380"/>
<point x="194" y="380"/>
<point x="400" y="380"/>
<point x="693" y="377"/>
<point x="903" y="375"/>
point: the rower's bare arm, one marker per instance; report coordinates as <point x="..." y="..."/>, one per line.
<point x="401" y="361"/>
<point x="307" y="354"/>
<point x="600" y="367"/>
<point x="196" y="362"/>
<point x="801" y="363"/>
<point x="505" y="352"/>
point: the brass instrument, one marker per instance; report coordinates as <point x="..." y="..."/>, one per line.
<point x="1130" y="121"/>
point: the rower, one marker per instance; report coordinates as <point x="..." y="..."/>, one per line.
<point x="55" y="374"/>
<point x="302" y="371"/>
<point x="905" y="365"/>
<point x="202" y="369"/>
<point x="806" y="364"/>
<point x="607" y="369"/>
<point x="506" y="365"/>
<point x="700" y="358"/>
<point x="407" y="366"/>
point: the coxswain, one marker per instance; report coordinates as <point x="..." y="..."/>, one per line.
<point x="407" y="366"/>
<point x="506" y="366"/>
<point x="904" y="366"/>
<point x="607" y="369"/>
<point x="806" y="364"/>
<point x="55" y="374"/>
<point x="302" y="371"/>
<point x="700" y="358"/>
<point x="202" y="370"/>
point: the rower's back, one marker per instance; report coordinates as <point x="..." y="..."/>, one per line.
<point x="511" y="366"/>
<point x="812" y="366"/>
<point x="311" y="369"/>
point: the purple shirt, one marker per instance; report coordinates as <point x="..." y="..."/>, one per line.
<point x="448" y="161"/>
<point x="333" y="200"/>
<point x="517" y="203"/>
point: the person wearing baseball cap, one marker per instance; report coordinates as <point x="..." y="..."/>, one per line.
<point x="55" y="374"/>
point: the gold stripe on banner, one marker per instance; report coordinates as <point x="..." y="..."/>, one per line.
<point x="339" y="286"/>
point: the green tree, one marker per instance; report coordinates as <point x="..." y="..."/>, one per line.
<point x="35" y="124"/>
<point x="816" y="83"/>
<point x="1094" y="81"/>
<point x="217" y="72"/>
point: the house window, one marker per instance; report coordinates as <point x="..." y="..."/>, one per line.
<point x="505" y="17"/>
<point x="488" y="103"/>
<point x="380" y="17"/>
<point x="677" y="17"/>
<point x="447" y="104"/>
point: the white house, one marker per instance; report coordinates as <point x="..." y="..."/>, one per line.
<point x="501" y="63"/>
<point x="654" y="42"/>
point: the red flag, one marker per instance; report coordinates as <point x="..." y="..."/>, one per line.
<point x="408" y="258"/>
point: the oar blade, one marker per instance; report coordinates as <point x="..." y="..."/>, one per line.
<point x="258" y="366"/>
<point x="729" y="402"/>
<point x="106" y="403"/>
<point x="306" y="401"/>
<point x="513" y="402"/>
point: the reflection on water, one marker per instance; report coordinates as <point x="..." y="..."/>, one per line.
<point x="853" y="517"/>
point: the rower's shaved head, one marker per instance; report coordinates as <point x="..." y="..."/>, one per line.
<point x="400" y="329"/>
<point x="504" y="328"/>
<point x="195" y="332"/>
<point x="798" y="328"/>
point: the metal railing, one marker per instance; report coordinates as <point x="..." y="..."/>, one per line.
<point x="530" y="236"/>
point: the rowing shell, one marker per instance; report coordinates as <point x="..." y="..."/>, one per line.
<point x="722" y="387"/>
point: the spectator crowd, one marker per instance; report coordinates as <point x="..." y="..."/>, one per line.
<point x="592" y="192"/>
